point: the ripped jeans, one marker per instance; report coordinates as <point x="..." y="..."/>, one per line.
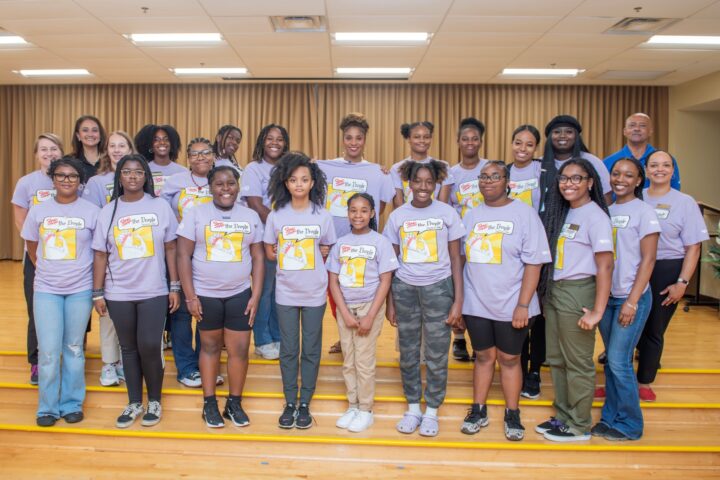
<point x="60" y="322"/>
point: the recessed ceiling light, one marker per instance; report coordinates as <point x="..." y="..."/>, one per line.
<point x="381" y="38"/>
<point x="402" y="72"/>
<point x="58" y="72"/>
<point x="685" y="40"/>
<point x="12" y="40"/>
<point x="541" y="72"/>
<point x="174" y="38"/>
<point x="210" y="71"/>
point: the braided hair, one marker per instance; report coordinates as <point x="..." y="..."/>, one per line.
<point x="286" y="166"/>
<point x="218" y="147"/>
<point x="259" y="150"/>
<point x="549" y="171"/>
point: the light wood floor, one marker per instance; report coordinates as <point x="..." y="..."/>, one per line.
<point x="682" y="436"/>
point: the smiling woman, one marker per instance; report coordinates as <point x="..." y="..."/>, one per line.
<point x="88" y="143"/>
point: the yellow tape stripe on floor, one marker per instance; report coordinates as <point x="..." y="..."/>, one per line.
<point x="378" y="442"/>
<point x="388" y="398"/>
<point x="337" y="363"/>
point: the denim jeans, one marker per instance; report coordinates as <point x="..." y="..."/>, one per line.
<point x="622" y="403"/>
<point x="265" y="328"/>
<point x="60" y="322"/>
<point x="181" y="335"/>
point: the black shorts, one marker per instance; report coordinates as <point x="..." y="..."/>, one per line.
<point x="485" y="333"/>
<point x="227" y="313"/>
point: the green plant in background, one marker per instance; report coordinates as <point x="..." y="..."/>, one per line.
<point x="713" y="256"/>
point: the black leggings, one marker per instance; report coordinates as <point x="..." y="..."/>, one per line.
<point x="28" y="280"/>
<point x="533" y="352"/>
<point x="139" y="325"/>
<point x="650" y="346"/>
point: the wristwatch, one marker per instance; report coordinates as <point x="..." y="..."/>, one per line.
<point x="682" y="280"/>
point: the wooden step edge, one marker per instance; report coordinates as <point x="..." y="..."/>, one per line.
<point x="337" y="363"/>
<point x="378" y="442"/>
<point x="392" y="399"/>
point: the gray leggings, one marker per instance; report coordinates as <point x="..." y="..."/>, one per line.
<point x="290" y="327"/>
<point x="139" y="325"/>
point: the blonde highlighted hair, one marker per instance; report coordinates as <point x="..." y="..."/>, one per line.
<point x="105" y="164"/>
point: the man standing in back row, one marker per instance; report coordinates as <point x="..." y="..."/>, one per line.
<point x="638" y="130"/>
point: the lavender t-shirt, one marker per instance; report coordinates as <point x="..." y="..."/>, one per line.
<point x="498" y="244"/>
<point x="359" y="260"/>
<point x="184" y="191"/>
<point x="404" y="186"/>
<point x="423" y="235"/>
<point x="161" y="173"/>
<point x="221" y="262"/>
<point x="301" y="278"/>
<point x="255" y="181"/>
<point x="135" y="244"/>
<point x="64" y="234"/>
<point x="525" y="184"/>
<point x="586" y="231"/>
<point x="226" y="162"/>
<point x="33" y="189"/>
<point x="681" y="222"/>
<point x="600" y="167"/>
<point x="344" y="179"/>
<point x="465" y="193"/>
<point x="99" y="189"/>
<point x="631" y="222"/>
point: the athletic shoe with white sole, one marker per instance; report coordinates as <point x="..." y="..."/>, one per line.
<point x="475" y="420"/>
<point x="193" y="380"/>
<point x="108" y="376"/>
<point x="152" y="414"/>
<point x="361" y="422"/>
<point x="129" y="415"/>
<point x="346" y="419"/>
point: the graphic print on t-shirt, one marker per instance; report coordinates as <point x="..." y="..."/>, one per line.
<point x="618" y="221"/>
<point x="353" y="259"/>
<point x="158" y="182"/>
<point x="43" y="196"/>
<point x="191" y="197"/>
<point x="468" y="196"/>
<point x="134" y="236"/>
<point x="109" y="188"/>
<point x="484" y="244"/>
<point x="223" y="240"/>
<point x="59" y="237"/>
<point x="569" y="230"/>
<point x="296" y="247"/>
<point x="522" y="190"/>
<point x="339" y="192"/>
<point x="418" y="240"/>
<point x="662" y="210"/>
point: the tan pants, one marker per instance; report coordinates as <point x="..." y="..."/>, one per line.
<point x="109" y="346"/>
<point x="359" y="357"/>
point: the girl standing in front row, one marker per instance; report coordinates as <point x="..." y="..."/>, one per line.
<point x="360" y="265"/>
<point x="427" y="291"/>
<point x="576" y="290"/>
<point x="298" y="232"/>
<point x="133" y="242"/>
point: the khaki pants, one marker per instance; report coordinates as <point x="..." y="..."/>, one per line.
<point x="359" y="356"/>
<point x="569" y="351"/>
<point x="109" y="346"/>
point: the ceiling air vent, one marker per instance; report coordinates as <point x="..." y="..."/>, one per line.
<point x="640" y="26"/>
<point x="299" y="23"/>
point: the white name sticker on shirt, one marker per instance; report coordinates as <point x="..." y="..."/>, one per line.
<point x="423" y="225"/>
<point x="358" y="251"/>
<point x="620" y="221"/>
<point x="220" y="226"/>
<point x="489" y="228"/>
<point x="662" y="210"/>
<point x="63" y="223"/>
<point x="138" y="221"/>
<point x="300" y="232"/>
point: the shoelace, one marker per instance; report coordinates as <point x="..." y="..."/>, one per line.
<point x="154" y="408"/>
<point x="132" y="408"/>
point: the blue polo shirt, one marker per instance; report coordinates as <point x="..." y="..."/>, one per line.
<point x="626" y="153"/>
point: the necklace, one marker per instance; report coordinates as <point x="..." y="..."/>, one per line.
<point x="192" y="177"/>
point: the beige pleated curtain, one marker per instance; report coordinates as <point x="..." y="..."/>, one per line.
<point x="311" y="113"/>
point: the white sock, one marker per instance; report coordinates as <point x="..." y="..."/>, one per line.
<point x="431" y="411"/>
<point x="414" y="408"/>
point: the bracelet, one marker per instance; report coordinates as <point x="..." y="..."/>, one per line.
<point x="522" y="305"/>
<point x="175" y="283"/>
<point x="98" y="293"/>
<point x="94" y="299"/>
<point x="634" y="307"/>
<point x="682" y="280"/>
<point x="190" y="300"/>
<point x="174" y="289"/>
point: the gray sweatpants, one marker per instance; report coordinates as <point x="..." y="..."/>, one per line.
<point x="289" y="321"/>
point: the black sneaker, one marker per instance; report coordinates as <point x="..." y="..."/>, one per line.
<point x="45" y="421"/>
<point x="548" y="425"/>
<point x="599" y="430"/>
<point x="129" y="415"/>
<point x="602" y="358"/>
<point x="33" y="374"/>
<point x="459" y="350"/>
<point x="235" y="413"/>
<point x="73" y="417"/>
<point x="304" y="419"/>
<point x="531" y="385"/>
<point x="288" y="416"/>
<point x="563" y="433"/>
<point x="474" y="421"/>
<point x="615" y="435"/>
<point x="211" y="414"/>
<point x="514" y="430"/>
<point x="152" y="414"/>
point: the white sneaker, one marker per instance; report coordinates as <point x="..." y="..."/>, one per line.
<point x="120" y="371"/>
<point x="346" y="419"/>
<point x="108" y="376"/>
<point x="361" y="422"/>
<point x="276" y="347"/>
<point x="219" y="380"/>
<point x="193" y="380"/>
<point x="267" y="352"/>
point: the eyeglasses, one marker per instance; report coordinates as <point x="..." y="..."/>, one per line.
<point x="196" y="153"/>
<point x="495" y="177"/>
<point x="70" y="177"/>
<point x="161" y="139"/>
<point x="574" y="179"/>
<point x="132" y="173"/>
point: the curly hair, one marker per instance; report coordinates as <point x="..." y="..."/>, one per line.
<point x="69" y="161"/>
<point x="471" y="122"/>
<point x="144" y="141"/>
<point x="105" y="164"/>
<point x="259" y="150"/>
<point x="409" y="169"/>
<point x="221" y="137"/>
<point x="373" y="219"/>
<point x="638" y="191"/>
<point x="556" y="211"/>
<point x="407" y="128"/>
<point x="354" y="120"/>
<point x="78" y="150"/>
<point x="285" y="167"/>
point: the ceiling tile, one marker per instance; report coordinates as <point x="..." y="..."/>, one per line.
<point x="655" y="8"/>
<point x="590" y="41"/>
<point x="398" y="56"/>
<point x="387" y="23"/>
<point x="515" y="7"/>
<point x="219" y="8"/>
<point x="31" y="10"/>
<point x="445" y="39"/>
<point x="712" y="11"/>
<point x="473" y="53"/>
<point x="80" y="54"/>
<point x="193" y="57"/>
<point x="243" y="25"/>
<point x="125" y="25"/>
<point x="385" y="7"/>
<point x="281" y="40"/>
<point x="90" y="41"/>
<point x="488" y="24"/>
<point x="133" y="8"/>
<point x="53" y="26"/>
<point x="585" y="25"/>
<point x="704" y="26"/>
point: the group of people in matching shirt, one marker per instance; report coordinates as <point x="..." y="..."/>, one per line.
<point x="526" y="257"/>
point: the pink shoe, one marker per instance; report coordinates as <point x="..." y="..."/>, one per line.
<point x="647" y="394"/>
<point x="599" y="392"/>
